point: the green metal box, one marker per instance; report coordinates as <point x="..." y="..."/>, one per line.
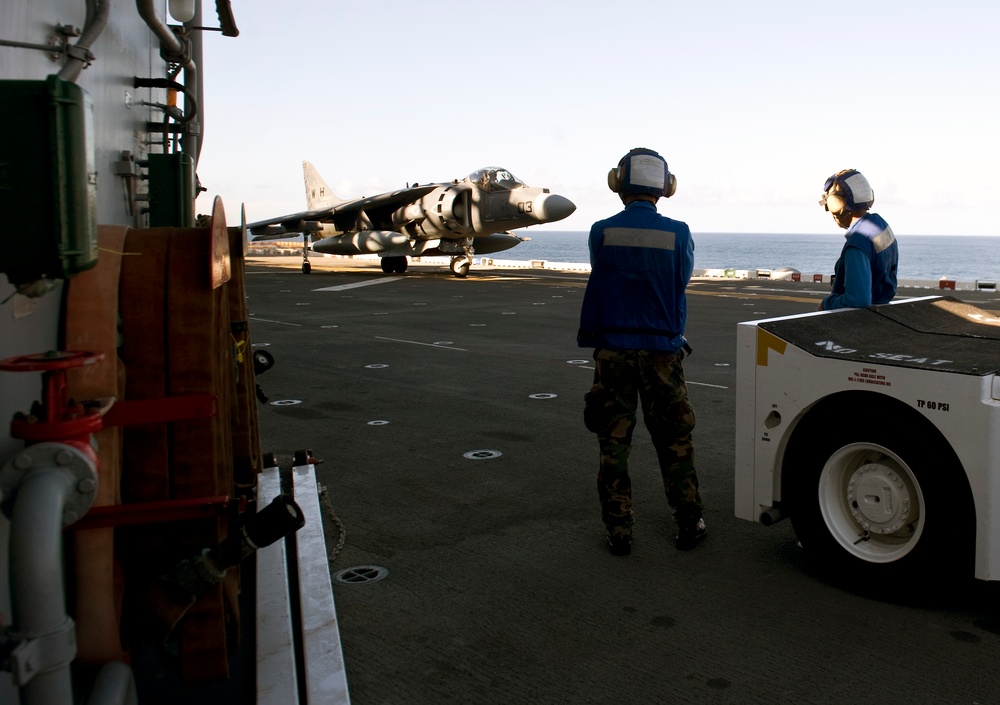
<point x="171" y="190"/>
<point x="48" y="180"/>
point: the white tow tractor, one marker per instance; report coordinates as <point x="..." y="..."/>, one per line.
<point x="877" y="431"/>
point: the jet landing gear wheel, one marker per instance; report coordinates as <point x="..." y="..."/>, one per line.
<point x="394" y="264"/>
<point x="306" y="267"/>
<point x="460" y="267"/>
<point x="880" y="501"/>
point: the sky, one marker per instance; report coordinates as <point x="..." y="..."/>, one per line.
<point x="752" y="104"/>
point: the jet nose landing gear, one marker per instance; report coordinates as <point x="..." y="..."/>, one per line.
<point x="460" y="266"/>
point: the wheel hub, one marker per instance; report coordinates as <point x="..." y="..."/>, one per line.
<point x="879" y="498"/>
<point x="871" y="503"/>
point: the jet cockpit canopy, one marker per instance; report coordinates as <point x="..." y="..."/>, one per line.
<point x="493" y="178"/>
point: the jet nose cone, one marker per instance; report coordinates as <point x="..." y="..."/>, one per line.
<point x="556" y="207"/>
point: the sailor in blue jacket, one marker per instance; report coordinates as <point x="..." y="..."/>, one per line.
<point x="865" y="274"/>
<point x="633" y="314"/>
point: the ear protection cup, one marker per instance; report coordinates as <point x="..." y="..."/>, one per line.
<point x="614" y="180"/>
<point x="835" y="203"/>
<point x="671" y="188"/>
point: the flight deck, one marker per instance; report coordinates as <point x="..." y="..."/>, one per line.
<point x="447" y="415"/>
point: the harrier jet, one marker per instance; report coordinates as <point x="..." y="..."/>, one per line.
<point x="458" y="219"/>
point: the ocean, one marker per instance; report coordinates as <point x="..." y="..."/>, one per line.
<point x="929" y="257"/>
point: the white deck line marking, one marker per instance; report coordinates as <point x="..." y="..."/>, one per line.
<point x="807" y="292"/>
<point x="355" y="285"/>
<point x="414" y="342"/>
<point x="700" y="384"/>
<point x="280" y="323"/>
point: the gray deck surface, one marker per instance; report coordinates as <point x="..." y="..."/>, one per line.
<point x="499" y="586"/>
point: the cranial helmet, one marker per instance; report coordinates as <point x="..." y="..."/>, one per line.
<point x="642" y="171"/>
<point x="847" y="192"/>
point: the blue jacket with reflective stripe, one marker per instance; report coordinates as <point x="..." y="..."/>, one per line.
<point x="641" y="263"/>
<point x="865" y="274"/>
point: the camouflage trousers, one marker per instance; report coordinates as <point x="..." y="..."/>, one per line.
<point x="656" y="379"/>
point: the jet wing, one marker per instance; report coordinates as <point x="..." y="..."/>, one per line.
<point x="345" y="216"/>
<point x="305" y="221"/>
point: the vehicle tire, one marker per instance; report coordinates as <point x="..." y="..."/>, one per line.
<point x="879" y="500"/>
<point x="262" y="361"/>
<point x="306" y="268"/>
<point x="401" y="265"/>
<point x="387" y="264"/>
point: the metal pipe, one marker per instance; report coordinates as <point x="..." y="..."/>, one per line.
<point x="197" y="48"/>
<point x="114" y="685"/>
<point x="771" y="515"/>
<point x="79" y="54"/>
<point x="173" y="47"/>
<point x="168" y="41"/>
<point x="38" y="600"/>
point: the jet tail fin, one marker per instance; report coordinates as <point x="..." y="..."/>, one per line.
<point x="318" y="194"/>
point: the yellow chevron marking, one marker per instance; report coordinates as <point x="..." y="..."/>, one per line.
<point x="768" y="341"/>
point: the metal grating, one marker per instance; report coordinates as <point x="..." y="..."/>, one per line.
<point x="361" y="574"/>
